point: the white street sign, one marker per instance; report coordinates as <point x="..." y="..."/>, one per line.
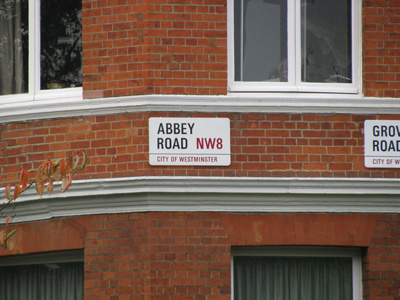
<point x="189" y="141"/>
<point x="382" y="144"/>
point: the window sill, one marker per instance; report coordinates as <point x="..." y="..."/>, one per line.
<point x="56" y="95"/>
<point x="73" y="106"/>
<point x="305" y="88"/>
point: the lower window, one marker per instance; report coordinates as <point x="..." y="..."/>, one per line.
<point x="42" y="281"/>
<point x="296" y="274"/>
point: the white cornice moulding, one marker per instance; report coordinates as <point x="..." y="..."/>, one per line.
<point x="244" y="103"/>
<point x="212" y="194"/>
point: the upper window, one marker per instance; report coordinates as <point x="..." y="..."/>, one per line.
<point x="40" y="47"/>
<point x="294" y="45"/>
<point x="296" y="274"/>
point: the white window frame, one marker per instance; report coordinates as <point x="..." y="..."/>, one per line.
<point x="42" y="258"/>
<point x="34" y="91"/>
<point x="353" y="253"/>
<point x="294" y="84"/>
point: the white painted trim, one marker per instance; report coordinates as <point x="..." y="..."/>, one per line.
<point x="34" y="46"/>
<point x="357" y="277"/>
<point x="297" y="251"/>
<point x="243" y="103"/>
<point x="213" y="194"/>
<point x="42" y="258"/>
<point x="230" y="44"/>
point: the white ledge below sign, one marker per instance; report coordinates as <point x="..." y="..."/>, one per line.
<point x="212" y="194"/>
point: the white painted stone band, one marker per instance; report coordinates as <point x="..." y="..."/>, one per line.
<point x="212" y="194"/>
<point x="244" y="103"/>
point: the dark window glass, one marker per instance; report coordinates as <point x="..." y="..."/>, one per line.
<point x="294" y="278"/>
<point x="61" y="43"/>
<point x="60" y="281"/>
<point x="13" y="47"/>
<point x="326" y="41"/>
<point x="260" y="40"/>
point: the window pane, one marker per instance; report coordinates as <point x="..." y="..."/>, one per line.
<point x="294" y="278"/>
<point x="13" y="47"/>
<point x="61" y="281"/>
<point x="61" y="44"/>
<point x="326" y="41"/>
<point x="260" y="40"/>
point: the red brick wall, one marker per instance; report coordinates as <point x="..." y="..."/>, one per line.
<point x="187" y="255"/>
<point x="381" y="33"/>
<point x="266" y="145"/>
<point x="300" y="229"/>
<point x="157" y="256"/>
<point x="180" y="47"/>
<point x="162" y="47"/>
<point x="48" y="236"/>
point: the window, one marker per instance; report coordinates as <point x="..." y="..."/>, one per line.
<point x="294" y="45"/>
<point x="40" y="47"/>
<point x="296" y="274"/>
<point x="45" y="277"/>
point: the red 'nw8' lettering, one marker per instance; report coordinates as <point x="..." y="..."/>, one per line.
<point x="209" y="143"/>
